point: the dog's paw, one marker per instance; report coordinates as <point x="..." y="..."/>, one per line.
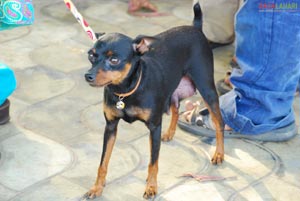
<point x="150" y="192"/>
<point x="218" y="158"/>
<point x="94" y="192"/>
<point x="167" y="136"/>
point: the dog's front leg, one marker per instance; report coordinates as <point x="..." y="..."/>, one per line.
<point x="155" y="137"/>
<point x="108" y="143"/>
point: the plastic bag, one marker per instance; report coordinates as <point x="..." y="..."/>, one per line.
<point x="15" y="13"/>
<point x="7" y="82"/>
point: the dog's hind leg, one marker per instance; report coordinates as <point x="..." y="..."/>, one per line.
<point x="203" y="78"/>
<point x="169" y="134"/>
<point x="214" y="111"/>
<point x="211" y="100"/>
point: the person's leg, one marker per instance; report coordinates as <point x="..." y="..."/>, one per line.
<point x="267" y="51"/>
<point x="218" y="19"/>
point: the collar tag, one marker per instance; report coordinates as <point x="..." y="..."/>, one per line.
<point x="120" y="105"/>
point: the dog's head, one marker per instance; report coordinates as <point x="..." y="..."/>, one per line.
<point x="111" y="58"/>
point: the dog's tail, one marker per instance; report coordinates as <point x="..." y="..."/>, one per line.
<point x="197" y="22"/>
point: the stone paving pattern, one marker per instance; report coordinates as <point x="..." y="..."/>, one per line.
<point x="51" y="148"/>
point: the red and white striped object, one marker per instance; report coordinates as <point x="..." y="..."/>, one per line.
<point x="81" y="20"/>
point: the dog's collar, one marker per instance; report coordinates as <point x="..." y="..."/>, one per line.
<point x="120" y="104"/>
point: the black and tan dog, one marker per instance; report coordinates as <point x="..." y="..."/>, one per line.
<point x="144" y="78"/>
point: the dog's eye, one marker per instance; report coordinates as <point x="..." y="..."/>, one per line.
<point x="93" y="57"/>
<point x="114" y="61"/>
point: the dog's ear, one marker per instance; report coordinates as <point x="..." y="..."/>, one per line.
<point x="98" y="35"/>
<point x="141" y="43"/>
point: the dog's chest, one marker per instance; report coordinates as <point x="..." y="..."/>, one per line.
<point x="133" y="113"/>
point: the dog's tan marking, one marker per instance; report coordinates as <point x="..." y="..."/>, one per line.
<point x="109" y="53"/>
<point x="151" y="187"/>
<point x="112" y="77"/>
<point x="169" y="134"/>
<point x="216" y="116"/>
<point x="143" y="114"/>
<point x="97" y="189"/>
<point x="103" y="168"/>
<point x="111" y="113"/>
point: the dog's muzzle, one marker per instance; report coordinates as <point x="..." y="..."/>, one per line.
<point x="90" y="77"/>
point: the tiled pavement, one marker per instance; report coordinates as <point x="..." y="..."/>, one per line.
<point x="51" y="148"/>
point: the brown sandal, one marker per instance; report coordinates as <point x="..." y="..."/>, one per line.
<point x="135" y="5"/>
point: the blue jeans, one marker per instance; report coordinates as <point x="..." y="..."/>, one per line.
<point x="268" y="53"/>
<point x="7" y="82"/>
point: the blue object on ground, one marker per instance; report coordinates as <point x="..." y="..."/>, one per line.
<point x="7" y="82"/>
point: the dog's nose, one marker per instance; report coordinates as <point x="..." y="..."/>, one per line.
<point x="89" y="77"/>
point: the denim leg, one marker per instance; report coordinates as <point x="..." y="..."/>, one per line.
<point x="268" y="52"/>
